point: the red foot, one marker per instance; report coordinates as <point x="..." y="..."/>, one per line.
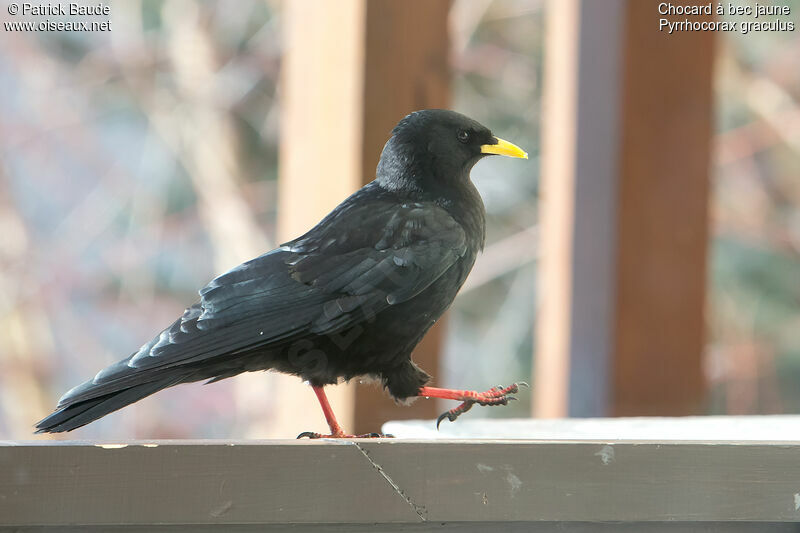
<point x="493" y="396"/>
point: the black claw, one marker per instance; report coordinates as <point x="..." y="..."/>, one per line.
<point x="308" y="434"/>
<point x="514" y="398"/>
<point x="454" y="413"/>
<point x="450" y="415"/>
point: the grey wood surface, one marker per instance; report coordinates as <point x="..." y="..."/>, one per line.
<point x="363" y="483"/>
<point x="459" y="527"/>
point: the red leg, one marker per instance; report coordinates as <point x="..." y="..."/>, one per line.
<point x="493" y="396"/>
<point x="333" y="424"/>
<point x="468" y="395"/>
<point x="330" y="418"/>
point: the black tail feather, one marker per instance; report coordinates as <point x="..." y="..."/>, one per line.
<point x="81" y="413"/>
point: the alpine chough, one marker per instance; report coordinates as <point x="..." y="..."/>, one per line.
<point x="352" y="297"/>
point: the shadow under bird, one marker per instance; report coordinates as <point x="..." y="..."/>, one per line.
<point x="352" y="297"/>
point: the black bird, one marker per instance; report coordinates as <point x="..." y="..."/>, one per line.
<point x="351" y="297"/>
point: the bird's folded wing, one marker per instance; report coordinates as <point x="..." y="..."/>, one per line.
<point x="394" y="253"/>
<point x="343" y="272"/>
<point x="351" y="266"/>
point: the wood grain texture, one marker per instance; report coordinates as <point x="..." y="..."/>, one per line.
<point x="580" y="145"/>
<point x="662" y="218"/>
<point x="409" y="482"/>
<point x="459" y="527"/>
<point x="625" y="191"/>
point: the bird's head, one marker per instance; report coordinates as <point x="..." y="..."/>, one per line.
<point x="437" y="147"/>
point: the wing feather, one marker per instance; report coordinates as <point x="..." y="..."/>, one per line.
<point x="365" y="256"/>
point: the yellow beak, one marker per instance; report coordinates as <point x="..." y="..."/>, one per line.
<point x="504" y="148"/>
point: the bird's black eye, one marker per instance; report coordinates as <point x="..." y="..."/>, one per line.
<point x="463" y="136"/>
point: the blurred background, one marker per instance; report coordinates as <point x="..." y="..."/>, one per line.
<point x="137" y="164"/>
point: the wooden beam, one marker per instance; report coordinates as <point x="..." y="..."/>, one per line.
<point x="663" y="217"/>
<point x="224" y="485"/>
<point x="578" y="202"/>
<point x="353" y="70"/>
<point x="321" y="128"/>
<point x="320" y="165"/>
<point x="405" y="69"/>
<point x="624" y="213"/>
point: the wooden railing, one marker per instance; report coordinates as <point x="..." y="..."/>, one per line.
<point x="399" y="484"/>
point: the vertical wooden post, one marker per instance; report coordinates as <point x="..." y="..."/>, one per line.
<point x="354" y="68"/>
<point x="624" y="213"/>
<point x="579" y="178"/>
<point x="405" y="69"/>
<point x="662" y="217"/>
<point x="320" y="161"/>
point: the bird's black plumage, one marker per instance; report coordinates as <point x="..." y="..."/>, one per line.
<point x="351" y="297"/>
